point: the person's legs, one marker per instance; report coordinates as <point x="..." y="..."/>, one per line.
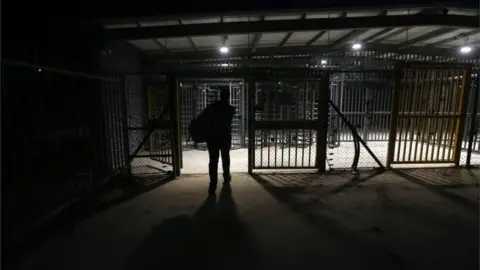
<point x="213" y="153"/>
<point x="226" y="163"/>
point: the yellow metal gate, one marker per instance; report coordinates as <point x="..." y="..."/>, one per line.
<point x="428" y="113"/>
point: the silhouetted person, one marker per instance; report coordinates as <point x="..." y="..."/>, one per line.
<point x="218" y="117"/>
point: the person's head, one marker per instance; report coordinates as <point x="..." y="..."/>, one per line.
<point x="224" y="94"/>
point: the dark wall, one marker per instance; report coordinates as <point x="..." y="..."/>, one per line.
<point x="62" y="123"/>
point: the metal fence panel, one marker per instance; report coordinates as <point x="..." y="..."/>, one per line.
<point x="63" y="137"/>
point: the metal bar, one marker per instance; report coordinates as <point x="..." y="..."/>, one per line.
<point x="55" y="70"/>
<point x="441" y="107"/>
<point x="473" y="122"/>
<point x="423" y="162"/>
<point x="251" y="93"/>
<point x="413" y="108"/>
<point x="150" y="131"/>
<point x="466" y="83"/>
<point x="455" y="104"/>
<point x="126" y="144"/>
<point x="176" y="142"/>
<point x="423" y="110"/>
<point x="426" y="36"/>
<point x="394" y="116"/>
<point x="282" y="168"/>
<point x="217" y="29"/>
<point x="355" y="134"/>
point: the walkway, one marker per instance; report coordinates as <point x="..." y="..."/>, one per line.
<point x="414" y="219"/>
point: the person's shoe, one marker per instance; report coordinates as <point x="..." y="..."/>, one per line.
<point x="211" y="190"/>
<point x="227" y="178"/>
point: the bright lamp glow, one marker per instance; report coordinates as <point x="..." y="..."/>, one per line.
<point x="357" y="46"/>
<point x="323" y="62"/>
<point x="465" y="49"/>
<point x="224" y="49"/>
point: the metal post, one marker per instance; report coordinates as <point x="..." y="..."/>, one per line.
<point x="473" y="120"/>
<point x="322" y="125"/>
<point x="175" y="125"/>
<point x="126" y="134"/>
<point x="467" y="79"/>
<point x="251" y="131"/>
<point x="394" y="115"/>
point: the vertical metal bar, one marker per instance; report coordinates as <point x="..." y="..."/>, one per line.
<point x="473" y="115"/>
<point x="322" y="121"/>
<point x="466" y="83"/>
<point x="441" y="110"/>
<point x="407" y="111"/>
<point x="305" y="101"/>
<point x="415" y="95"/>
<point x="451" y="115"/>
<point x="424" y="113"/>
<point x="401" y="108"/>
<point x="394" y="115"/>
<point x="174" y="99"/>
<point x="435" y="109"/>
<point x="251" y="93"/>
<point x="126" y="150"/>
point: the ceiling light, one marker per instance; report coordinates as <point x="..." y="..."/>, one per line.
<point x="224" y="49"/>
<point x="465" y="49"/>
<point x="356" y="46"/>
<point x="323" y="62"/>
<point x="224" y="65"/>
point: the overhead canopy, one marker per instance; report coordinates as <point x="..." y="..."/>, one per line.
<point x="431" y="30"/>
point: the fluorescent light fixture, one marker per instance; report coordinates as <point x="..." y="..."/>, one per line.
<point x="357" y="46"/>
<point x="224" y="49"/>
<point x="465" y="49"/>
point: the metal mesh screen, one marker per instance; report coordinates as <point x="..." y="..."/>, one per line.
<point x="198" y="94"/>
<point x="285" y="101"/>
<point x="150" y="126"/>
<point x="365" y="99"/>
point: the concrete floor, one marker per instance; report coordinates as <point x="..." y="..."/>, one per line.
<point x="413" y="219"/>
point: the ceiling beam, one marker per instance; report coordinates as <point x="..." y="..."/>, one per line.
<point x="171" y="15"/>
<point x="376" y="35"/>
<point x="257" y="37"/>
<point x="447" y="40"/>
<point x="161" y="45"/>
<point x="354" y="33"/>
<point x="315" y="38"/>
<point x="289" y="34"/>
<point x="190" y="40"/>
<point x="393" y="34"/>
<point x="213" y="29"/>
<point x="426" y="36"/>
<point x="271" y="51"/>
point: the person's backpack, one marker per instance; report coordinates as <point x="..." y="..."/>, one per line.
<point x="198" y="130"/>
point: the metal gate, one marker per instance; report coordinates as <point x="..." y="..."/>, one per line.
<point x="287" y="123"/>
<point x="153" y="125"/>
<point x="197" y="94"/>
<point x="428" y="113"/>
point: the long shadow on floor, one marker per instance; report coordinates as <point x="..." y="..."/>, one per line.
<point x="363" y="224"/>
<point x="440" y="181"/>
<point x="214" y="238"/>
<point x="118" y="191"/>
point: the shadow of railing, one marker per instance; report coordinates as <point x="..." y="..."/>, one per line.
<point x="442" y="181"/>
